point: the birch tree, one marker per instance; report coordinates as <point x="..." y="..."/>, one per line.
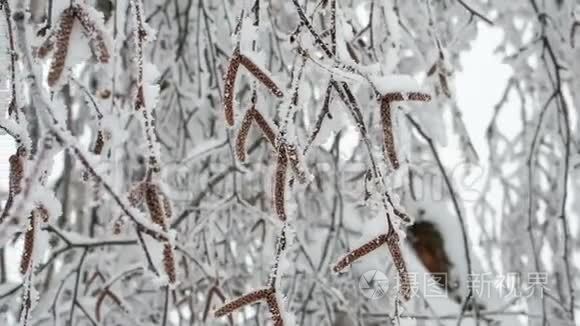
<point x="248" y="162"/>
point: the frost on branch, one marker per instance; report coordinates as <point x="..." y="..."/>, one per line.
<point x="238" y="149"/>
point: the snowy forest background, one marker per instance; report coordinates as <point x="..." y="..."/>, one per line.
<point x="213" y="162"/>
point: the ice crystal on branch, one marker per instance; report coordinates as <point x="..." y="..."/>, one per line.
<point x="181" y="154"/>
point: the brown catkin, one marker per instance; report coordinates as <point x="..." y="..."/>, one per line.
<point x="274" y="307"/>
<point x="263" y="124"/>
<point x="397" y="255"/>
<point x="242" y="301"/>
<point x="387" y="122"/>
<point x="99" y="143"/>
<point x="359" y="252"/>
<point x="418" y="96"/>
<point x="229" y="87"/>
<point x="280" y="182"/>
<point x="15" y="175"/>
<point x="167" y="207"/>
<point x="17" y="170"/>
<point x="243" y="133"/>
<point x="101" y="49"/>
<point x="61" y="46"/>
<point x="94" y="33"/>
<point x="260" y="75"/>
<point x="154" y="204"/>
<point x="168" y="252"/>
<point x="28" y="249"/>
<point x="169" y="263"/>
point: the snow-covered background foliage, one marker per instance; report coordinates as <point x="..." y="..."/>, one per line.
<point x="176" y="160"/>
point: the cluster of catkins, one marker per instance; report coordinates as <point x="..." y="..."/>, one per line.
<point x="159" y="207"/>
<point x="59" y="40"/>
<point x="287" y="158"/>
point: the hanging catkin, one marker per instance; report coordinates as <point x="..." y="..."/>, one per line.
<point x="280" y="183"/>
<point x="274" y="307"/>
<point x="266" y="128"/>
<point x="229" y="88"/>
<point x="397" y="255"/>
<point x="157" y="212"/>
<point x="59" y="40"/>
<point x="16" y="175"/>
<point x="387" y="122"/>
<point x="243" y="132"/>
<point x="28" y="248"/>
<point x="242" y="301"/>
<point x="360" y="252"/>
<point x="94" y="33"/>
<point x="62" y="44"/>
<point x="260" y="75"/>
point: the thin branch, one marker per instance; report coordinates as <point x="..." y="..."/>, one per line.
<point x="475" y="12"/>
<point x="456" y="206"/>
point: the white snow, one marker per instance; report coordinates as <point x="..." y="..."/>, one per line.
<point x="395" y="83"/>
